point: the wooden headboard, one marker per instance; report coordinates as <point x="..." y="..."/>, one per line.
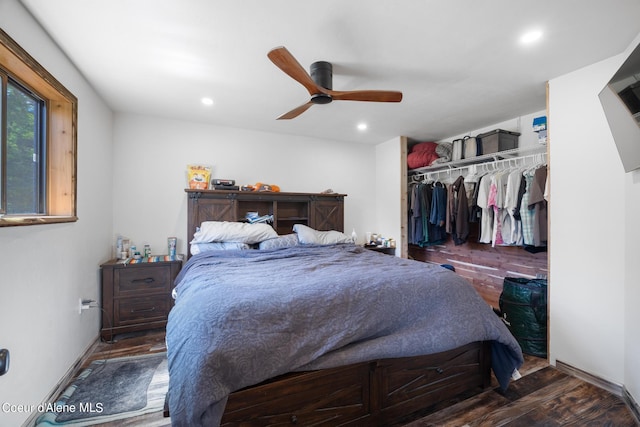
<point x="316" y="210"/>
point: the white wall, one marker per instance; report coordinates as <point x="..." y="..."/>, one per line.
<point x="632" y="276"/>
<point x="632" y="285"/>
<point x="594" y="252"/>
<point x="44" y="269"/>
<point x="390" y="189"/>
<point x="151" y="156"/>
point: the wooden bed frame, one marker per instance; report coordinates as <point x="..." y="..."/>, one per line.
<point x="378" y="393"/>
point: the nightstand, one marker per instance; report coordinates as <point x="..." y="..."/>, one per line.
<point x="381" y="249"/>
<point x="136" y="297"/>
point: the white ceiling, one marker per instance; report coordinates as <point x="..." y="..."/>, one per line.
<point x="458" y="63"/>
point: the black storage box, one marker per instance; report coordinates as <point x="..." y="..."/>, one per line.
<point x="498" y="140"/>
<point x="523" y="305"/>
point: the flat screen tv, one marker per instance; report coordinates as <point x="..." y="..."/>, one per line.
<point x="620" y="101"/>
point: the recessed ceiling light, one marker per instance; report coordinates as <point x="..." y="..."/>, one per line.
<point x="362" y="126"/>
<point x="531" y="37"/>
<point x="207" y="101"/>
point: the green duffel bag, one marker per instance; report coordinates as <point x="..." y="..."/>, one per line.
<point x="523" y="305"/>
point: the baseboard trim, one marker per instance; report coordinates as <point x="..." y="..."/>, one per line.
<point x="590" y="378"/>
<point x="632" y="404"/>
<point x="64" y="381"/>
<point x="613" y="388"/>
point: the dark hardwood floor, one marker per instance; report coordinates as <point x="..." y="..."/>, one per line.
<point x="544" y="396"/>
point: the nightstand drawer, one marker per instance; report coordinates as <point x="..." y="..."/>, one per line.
<point x="134" y="310"/>
<point x="133" y="281"/>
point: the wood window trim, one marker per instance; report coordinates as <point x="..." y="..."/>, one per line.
<point x="61" y="138"/>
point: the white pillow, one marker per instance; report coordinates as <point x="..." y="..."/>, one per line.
<point x="309" y="236"/>
<point x="285" y="241"/>
<point x="239" y="232"/>
<point x="197" y="248"/>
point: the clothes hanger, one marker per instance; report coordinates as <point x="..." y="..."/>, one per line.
<point x="472" y="175"/>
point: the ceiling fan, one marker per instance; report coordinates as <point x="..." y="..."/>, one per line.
<point x="319" y="84"/>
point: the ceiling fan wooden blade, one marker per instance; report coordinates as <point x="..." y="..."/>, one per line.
<point x="296" y="111"/>
<point x="366" y="95"/>
<point x="284" y="60"/>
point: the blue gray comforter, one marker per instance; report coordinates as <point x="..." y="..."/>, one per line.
<point x="241" y="317"/>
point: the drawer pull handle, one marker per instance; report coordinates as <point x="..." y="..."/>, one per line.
<point x="147" y="280"/>
<point x="439" y="370"/>
<point x="146" y="310"/>
<point x="294" y="419"/>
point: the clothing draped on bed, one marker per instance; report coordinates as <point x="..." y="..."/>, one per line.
<point x="241" y="317"/>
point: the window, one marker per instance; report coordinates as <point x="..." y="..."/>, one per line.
<point x="25" y="155"/>
<point x="37" y="142"/>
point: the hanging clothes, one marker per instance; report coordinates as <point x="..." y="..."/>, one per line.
<point x="496" y="202"/>
<point x="485" y="234"/>
<point x="538" y="203"/>
<point x="425" y="203"/>
<point x="414" y="223"/>
<point x="527" y="215"/>
<point x="428" y="214"/>
<point x="473" y="186"/>
<point x="450" y="202"/>
<point x="438" y="216"/>
<point x="512" y="226"/>
<point x="521" y="191"/>
<point x="459" y="213"/>
<point x="508" y="204"/>
<point x="419" y="205"/>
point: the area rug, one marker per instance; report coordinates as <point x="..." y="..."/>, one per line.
<point x="110" y="390"/>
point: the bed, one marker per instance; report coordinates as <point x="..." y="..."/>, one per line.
<point x="330" y="334"/>
<point x="310" y="329"/>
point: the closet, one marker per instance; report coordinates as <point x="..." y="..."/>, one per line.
<point x="485" y="216"/>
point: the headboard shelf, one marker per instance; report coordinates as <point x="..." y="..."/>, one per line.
<point x="321" y="211"/>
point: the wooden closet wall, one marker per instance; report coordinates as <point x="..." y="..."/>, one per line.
<point x="484" y="266"/>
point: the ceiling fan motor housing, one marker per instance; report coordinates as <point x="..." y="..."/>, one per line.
<point x="322" y="75"/>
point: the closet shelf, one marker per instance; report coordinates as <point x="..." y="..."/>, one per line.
<point x="500" y="155"/>
<point x="495" y="160"/>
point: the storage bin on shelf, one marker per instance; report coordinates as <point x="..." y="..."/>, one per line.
<point x="498" y="140"/>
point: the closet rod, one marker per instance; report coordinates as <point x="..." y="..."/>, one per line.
<point x="496" y="164"/>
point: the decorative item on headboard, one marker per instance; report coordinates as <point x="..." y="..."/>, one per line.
<point x="198" y="176"/>
<point x="224" y="184"/>
<point x="259" y="186"/>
